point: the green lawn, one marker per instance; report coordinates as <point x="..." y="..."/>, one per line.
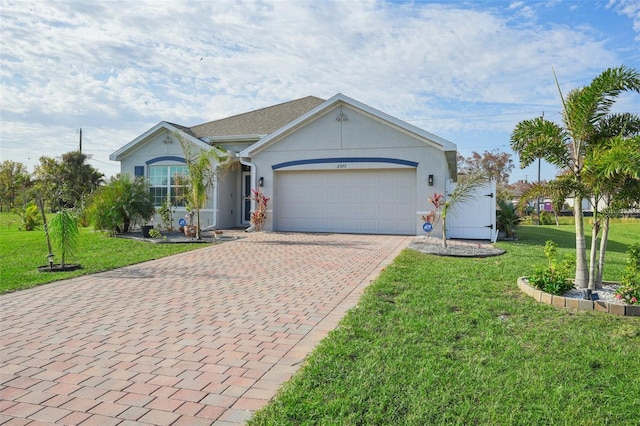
<point x="453" y="341"/>
<point x="21" y="253"/>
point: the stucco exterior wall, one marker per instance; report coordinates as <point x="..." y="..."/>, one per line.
<point x="359" y="136"/>
<point x="158" y="146"/>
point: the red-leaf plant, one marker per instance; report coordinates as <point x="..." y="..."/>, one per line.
<point x="259" y="215"/>
<point x="433" y="216"/>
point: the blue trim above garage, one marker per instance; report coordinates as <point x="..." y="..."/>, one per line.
<point x="345" y="160"/>
<point x="166" y="158"/>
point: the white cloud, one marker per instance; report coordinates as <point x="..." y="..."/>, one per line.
<point x="121" y="67"/>
<point x="630" y="8"/>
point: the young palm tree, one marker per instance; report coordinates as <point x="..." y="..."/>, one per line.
<point x="64" y="233"/>
<point x="612" y="170"/>
<point x="586" y="123"/>
<point x="203" y="168"/>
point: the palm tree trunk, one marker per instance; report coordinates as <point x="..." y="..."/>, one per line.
<point x="444" y="230"/>
<point x="593" y="272"/>
<point x="603" y="250"/>
<point x="198" y="232"/>
<point x="581" y="249"/>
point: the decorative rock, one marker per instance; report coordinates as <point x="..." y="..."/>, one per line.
<point x="573" y="302"/>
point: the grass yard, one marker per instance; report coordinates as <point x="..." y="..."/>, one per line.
<point x="453" y="341"/>
<point x="21" y="253"/>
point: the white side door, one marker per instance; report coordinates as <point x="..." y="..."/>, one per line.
<point x="476" y="219"/>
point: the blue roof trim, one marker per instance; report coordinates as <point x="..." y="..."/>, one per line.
<point x="166" y="158"/>
<point x="345" y="160"/>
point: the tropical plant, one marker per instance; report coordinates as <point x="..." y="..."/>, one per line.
<point x="554" y="278"/>
<point x="433" y="216"/>
<point x="463" y="193"/>
<point x="154" y="233"/>
<point x="259" y="215"/>
<point x="30" y="216"/>
<point x="166" y="211"/>
<point x="612" y="170"/>
<point x="203" y="170"/>
<point x="587" y="122"/>
<point x="629" y="289"/>
<point x="64" y="233"/>
<point x="507" y="218"/>
<point x="556" y="190"/>
<point x="121" y="204"/>
<point x="78" y="178"/>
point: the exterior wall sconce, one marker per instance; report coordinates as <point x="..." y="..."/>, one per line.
<point x="261" y="181"/>
<point x="430" y="180"/>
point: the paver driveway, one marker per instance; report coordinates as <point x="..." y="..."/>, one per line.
<point x="205" y="337"/>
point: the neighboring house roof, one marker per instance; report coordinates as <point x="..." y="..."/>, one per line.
<point x="256" y="123"/>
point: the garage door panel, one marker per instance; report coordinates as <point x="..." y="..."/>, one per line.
<point x="352" y="210"/>
<point x="352" y="201"/>
<point x="387" y="210"/>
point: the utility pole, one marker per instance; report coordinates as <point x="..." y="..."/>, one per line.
<point x="538" y="200"/>
<point x="81" y="140"/>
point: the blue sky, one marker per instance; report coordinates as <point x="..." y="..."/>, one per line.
<point x="467" y="71"/>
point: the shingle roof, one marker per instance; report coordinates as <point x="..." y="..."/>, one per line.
<point x="182" y="128"/>
<point x="259" y="122"/>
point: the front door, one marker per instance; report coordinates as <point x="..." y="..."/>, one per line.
<point x="246" y="197"/>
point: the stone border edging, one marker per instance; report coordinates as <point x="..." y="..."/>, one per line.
<point x="580" y="304"/>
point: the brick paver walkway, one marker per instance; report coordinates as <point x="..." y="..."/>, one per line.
<point x="205" y="337"/>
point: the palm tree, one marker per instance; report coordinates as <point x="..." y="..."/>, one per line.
<point x="587" y="121"/>
<point x="612" y="171"/>
<point x="557" y="190"/>
<point x="203" y="168"/>
<point x="64" y="233"/>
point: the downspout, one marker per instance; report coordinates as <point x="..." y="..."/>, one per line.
<point x="253" y="177"/>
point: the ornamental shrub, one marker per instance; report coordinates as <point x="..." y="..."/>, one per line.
<point x="629" y="289"/>
<point x="554" y="278"/>
<point x="122" y="204"/>
<point x="30" y="217"/>
<point x="507" y="218"/>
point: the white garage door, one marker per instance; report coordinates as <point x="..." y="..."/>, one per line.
<point x="346" y="201"/>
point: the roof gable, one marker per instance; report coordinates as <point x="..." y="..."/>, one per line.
<point x="161" y="126"/>
<point x="322" y="108"/>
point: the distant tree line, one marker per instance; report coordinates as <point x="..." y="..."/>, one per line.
<point x="63" y="182"/>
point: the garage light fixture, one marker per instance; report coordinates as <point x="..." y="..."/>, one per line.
<point x="430" y="180"/>
<point x="261" y="181"/>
